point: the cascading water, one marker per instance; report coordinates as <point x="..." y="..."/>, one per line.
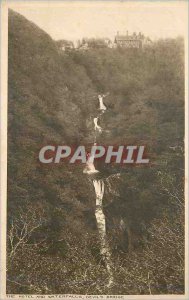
<point x="100" y="98"/>
<point x="101" y="224"/>
<point x="99" y="190"/>
<point x="90" y="168"/>
<point x="97" y="127"/>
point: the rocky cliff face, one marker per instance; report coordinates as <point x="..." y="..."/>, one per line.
<point x="54" y="99"/>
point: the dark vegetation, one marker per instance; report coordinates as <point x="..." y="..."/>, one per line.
<point x="52" y="239"/>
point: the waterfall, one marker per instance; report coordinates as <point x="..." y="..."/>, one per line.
<point x="90" y="168"/>
<point x="100" y="98"/>
<point x="101" y="224"/>
<point x="99" y="190"/>
<point x="97" y="127"/>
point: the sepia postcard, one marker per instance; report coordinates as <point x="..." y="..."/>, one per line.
<point x="94" y="149"/>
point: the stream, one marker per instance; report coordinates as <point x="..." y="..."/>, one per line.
<point x="99" y="191"/>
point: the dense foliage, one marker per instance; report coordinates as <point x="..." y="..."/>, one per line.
<point x="53" y="244"/>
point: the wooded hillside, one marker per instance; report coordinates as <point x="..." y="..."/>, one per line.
<point x="53" y="244"/>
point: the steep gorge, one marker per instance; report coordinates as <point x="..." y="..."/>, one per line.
<point x="54" y="98"/>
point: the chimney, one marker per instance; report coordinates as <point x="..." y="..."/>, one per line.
<point x="117" y="32"/>
<point x="127" y="32"/>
